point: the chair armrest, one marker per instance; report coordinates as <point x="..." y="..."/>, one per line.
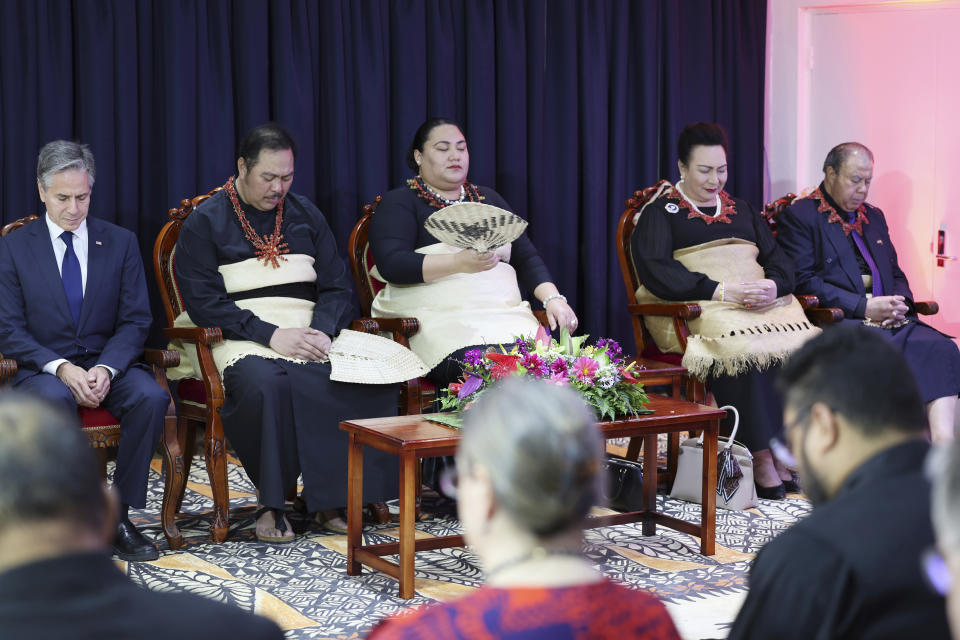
<point x="8" y="368"/>
<point x="688" y="311"/>
<point x="405" y="326"/>
<point x="927" y="307"/>
<point x="163" y="358"/>
<point x="824" y="315"/>
<point x="808" y="301"/>
<point x="203" y="335"/>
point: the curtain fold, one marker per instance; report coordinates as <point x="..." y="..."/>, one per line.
<point x="568" y="105"/>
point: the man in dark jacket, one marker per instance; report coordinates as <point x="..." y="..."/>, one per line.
<point x="851" y="569"/>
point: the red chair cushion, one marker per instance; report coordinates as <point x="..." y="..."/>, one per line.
<point x="375" y="284"/>
<point x="98" y="417"/>
<point x="652" y="352"/>
<point x="192" y="390"/>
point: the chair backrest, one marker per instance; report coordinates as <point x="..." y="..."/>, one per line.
<point x="16" y="224"/>
<point x="361" y="259"/>
<point x="772" y="210"/>
<point x="631" y="280"/>
<point x="164" y="250"/>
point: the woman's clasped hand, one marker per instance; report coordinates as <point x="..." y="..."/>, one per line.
<point x="757" y="293"/>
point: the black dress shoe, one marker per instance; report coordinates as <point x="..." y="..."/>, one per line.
<point x="793" y="484"/>
<point x="130" y="545"/>
<point x="772" y="493"/>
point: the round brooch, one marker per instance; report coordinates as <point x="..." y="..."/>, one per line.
<point x="671" y="208"/>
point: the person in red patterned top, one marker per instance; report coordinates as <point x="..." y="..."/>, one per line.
<point x="529" y="469"/>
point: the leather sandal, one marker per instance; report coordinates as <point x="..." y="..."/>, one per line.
<point x="281" y="526"/>
<point x="332" y="521"/>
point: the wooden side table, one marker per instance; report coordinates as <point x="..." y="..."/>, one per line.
<point x="412" y="438"/>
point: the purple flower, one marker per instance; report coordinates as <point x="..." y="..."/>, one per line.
<point x="522" y="346"/>
<point x="613" y="348"/>
<point x="470" y="385"/>
<point x="474" y="357"/>
<point x="534" y="365"/>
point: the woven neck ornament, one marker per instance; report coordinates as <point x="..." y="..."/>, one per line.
<point x="725" y="206"/>
<point x="826" y="207"/>
<point x="269" y="249"/>
<point x="468" y="193"/>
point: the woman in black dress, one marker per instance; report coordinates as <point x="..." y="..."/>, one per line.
<point x="695" y="211"/>
<point x="464" y="299"/>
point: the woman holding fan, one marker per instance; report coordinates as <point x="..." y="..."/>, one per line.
<point x="464" y="299"/>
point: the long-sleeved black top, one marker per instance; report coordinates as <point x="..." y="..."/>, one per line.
<point x="659" y="233"/>
<point x="212" y="236"/>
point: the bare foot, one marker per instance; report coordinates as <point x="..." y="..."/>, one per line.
<point x="267" y="528"/>
<point x="764" y="471"/>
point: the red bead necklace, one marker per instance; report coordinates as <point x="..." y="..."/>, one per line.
<point x="268" y="248"/>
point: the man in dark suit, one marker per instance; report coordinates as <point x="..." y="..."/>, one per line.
<point x="843" y="254"/>
<point x="56" y="577"/>
<point x="851" y="569"/>
<point x="74" y="314"/>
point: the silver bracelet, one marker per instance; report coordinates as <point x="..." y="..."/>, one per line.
<point x="554" y="297"/>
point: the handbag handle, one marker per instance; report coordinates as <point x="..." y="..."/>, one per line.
<point x="736" y="424"/>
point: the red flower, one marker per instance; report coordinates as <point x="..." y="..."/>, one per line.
<point x="504" y="364"/>
<point x="628" y="377"/>
<point x="455" y="387"/>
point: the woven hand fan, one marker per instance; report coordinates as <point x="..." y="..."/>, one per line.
<point x="372" y="359"/>
<point x="472" y="225"/>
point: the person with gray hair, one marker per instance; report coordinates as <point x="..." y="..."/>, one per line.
<point x="56" y="523"/>
<point x="74" y="314"/>
<point x="941" y="563"/>
<point x="529" y="469"/>
<point x="843" y="254"/>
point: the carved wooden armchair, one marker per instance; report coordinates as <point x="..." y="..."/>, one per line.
<point x="417" y="395"/>
<point x="680" y="312"/>
<point x="102" y="428"/>
<point x="825" y="315"/>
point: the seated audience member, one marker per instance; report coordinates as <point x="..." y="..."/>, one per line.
<point x="843" y="254"/>
<point x="942" y="564"/>
<point x="464" y="300"/>
<point x="529" y="468"/>
<point x="697" y="242"/>
<point x="74" y="314"/>
<point x="851" y="569"/>
<point x="261" y="263"/>
<point x="57" y="519"/>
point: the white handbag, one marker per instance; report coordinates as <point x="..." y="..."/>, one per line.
<point x="735" y="487"/>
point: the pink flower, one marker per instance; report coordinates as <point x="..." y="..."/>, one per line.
<point x="584" y="368"/>
<point x="559" y="379"/>
<point x="543" y="338"/>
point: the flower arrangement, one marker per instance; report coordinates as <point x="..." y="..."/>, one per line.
<point x="597" y="371"/>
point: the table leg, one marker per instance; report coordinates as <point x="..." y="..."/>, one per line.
<point x="354" y="503"/>
<point x="708" y="512"/>
<point x="408" y="499"/>
<point x="649" y="482"/>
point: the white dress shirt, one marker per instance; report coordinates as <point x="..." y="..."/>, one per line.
<point x="81" y="248"/>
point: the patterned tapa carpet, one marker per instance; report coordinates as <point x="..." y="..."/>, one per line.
<point x="303" y="586"/>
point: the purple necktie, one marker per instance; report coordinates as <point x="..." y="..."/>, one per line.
<point x="862" y="246"/>
<point x="72" y="278"/>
